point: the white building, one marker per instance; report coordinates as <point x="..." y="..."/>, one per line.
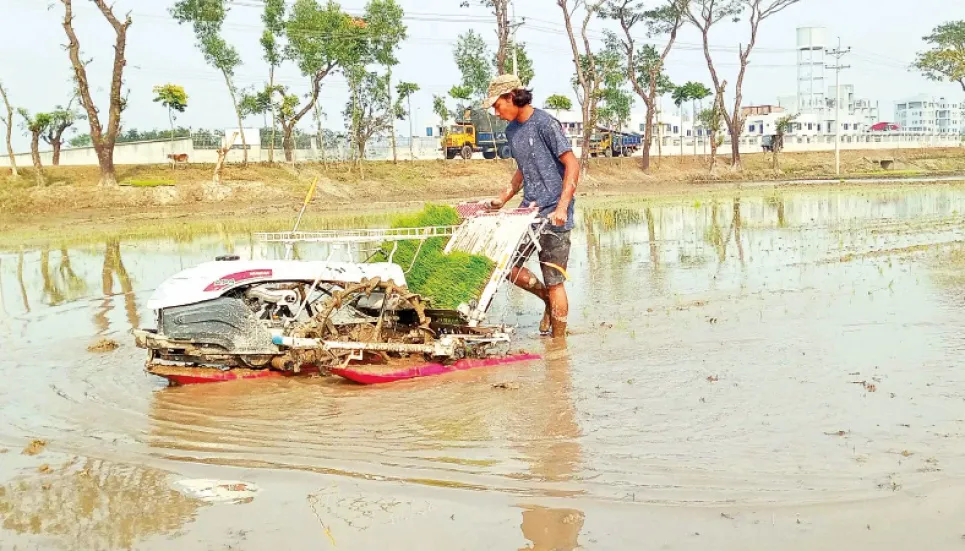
<point x="929" y="115"/>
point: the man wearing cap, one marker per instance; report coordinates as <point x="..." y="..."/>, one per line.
<point x="547" y="173"/>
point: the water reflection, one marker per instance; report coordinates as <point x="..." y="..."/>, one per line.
<point x="96" y="505"/>
<point x="113" y="265"/>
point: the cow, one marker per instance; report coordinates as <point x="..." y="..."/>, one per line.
<point x="178" y="159"/>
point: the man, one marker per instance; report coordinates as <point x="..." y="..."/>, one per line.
<point x="547" y="173"/>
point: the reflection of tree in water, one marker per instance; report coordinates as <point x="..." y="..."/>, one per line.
<point x="113" y="265"/>
<point x="62" y="285"/>
<point x="93" y="504"/>
<point x="23" y="288"/>
<point x="716" y="237"/>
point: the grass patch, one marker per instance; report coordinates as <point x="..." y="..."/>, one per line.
<point x="149" y="183"/>
<point x="446" y="280"/>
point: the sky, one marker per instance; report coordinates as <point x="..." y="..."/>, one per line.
<point x="884" y="36"/>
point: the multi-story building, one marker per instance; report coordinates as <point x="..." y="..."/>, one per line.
<point x="929" y="115"/>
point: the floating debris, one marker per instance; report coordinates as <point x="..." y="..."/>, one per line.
<point x="103" y="345"/>
<point x="35" y="447"/>
<point x="713" y="379"/>
<point x="218" y="491"/>
<point x="44" y="469"/>
<point x="511" y="385"/>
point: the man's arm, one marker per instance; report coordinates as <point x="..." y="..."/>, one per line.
<point x="509" y="192"/>
<point x="570" y="179"/>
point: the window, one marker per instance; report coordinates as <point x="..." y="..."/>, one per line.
<point x="810" y="126"/>
<point x="753" y="128"/>
<point x="676" y="129"/>
<point x="689" y="133"/>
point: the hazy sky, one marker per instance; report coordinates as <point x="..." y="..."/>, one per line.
<point x="884" y="35"/>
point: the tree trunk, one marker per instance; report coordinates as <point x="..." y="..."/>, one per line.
<point x="103" y="141"/>
<point x="288" y="142"/>
<point x="411" y="132"/>
<point x="395" y="157"/>
<point x="274" y="123"/>
<point x="35" y="156"/>
<point x="57" y="144"/>
<point x="9" y="123"/>
<point x="735" y="147"/>
<point x="647" y="140"/>
<point x="241" y="124"/>
<point x="105" y="159"/>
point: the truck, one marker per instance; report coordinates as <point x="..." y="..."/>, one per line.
<point x="477" y="132"/>
<point x="613" y="143"/>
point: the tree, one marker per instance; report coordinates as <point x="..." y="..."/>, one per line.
<point x="405" y="91"/>
<point x="61" y="119"/>
<point x="368" y="112"/>
<point x="504" y="28"/>
<point x="558" y="103"/>
<point x="207" y="18"/>
<point x="783" y="126"/>
<point x="323" y="40"/>
<point x="588" y="76"/>
<point x="102" y="139"/>
<point x="472" y="59"/>
<point x="705" y="14"/>
<point x="274" y="19"/>
<point x="35" y="126"/>
<point x="524" y="65"/>
<point x="174" y="98"/>
<point x="80" y="140"/>
<point x="615" y="103"/>
<point x="441" y="110"/>
<point x="693" y="92"/>
<point x="945" y="62"/>
<point x="8" y="122"/>
<point x="713" y="120"/>
<point x="645" y="64"/>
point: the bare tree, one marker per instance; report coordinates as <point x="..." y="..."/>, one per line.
<point x="103" y="141"/>
<point x="8" y="122"/>
<point x="705" y="14"/>
<point x="589" y="78"/>
<point x="645" y="66"/>
<point x="504" y="30"/>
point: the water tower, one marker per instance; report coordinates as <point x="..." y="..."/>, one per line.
<point x="811" y="86"/>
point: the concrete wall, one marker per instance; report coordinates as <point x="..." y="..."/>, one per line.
<point x="156" y="152"/>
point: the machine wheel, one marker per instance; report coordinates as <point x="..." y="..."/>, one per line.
<point x="608" y="152"/>
<point x="489" y="155"/>
<point x="505" y="152"/>
<point x="466" y="152"/>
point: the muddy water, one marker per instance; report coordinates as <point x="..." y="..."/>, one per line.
<point x="777" y="366"/>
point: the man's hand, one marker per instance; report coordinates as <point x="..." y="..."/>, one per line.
<point x="559" y="217"/>
<point x="492" y="204"/>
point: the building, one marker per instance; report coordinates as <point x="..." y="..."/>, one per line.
<point x="752" y="110"/>
<point x="929" y="115"/>
<point x="812" y="42"/>
<point x="865" y="110"/>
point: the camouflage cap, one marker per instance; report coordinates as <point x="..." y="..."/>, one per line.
<point x="503" y="84"/>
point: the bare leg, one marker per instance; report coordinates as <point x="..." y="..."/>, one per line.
<point x="525" y="280"/>
<point x="559" y="309"/>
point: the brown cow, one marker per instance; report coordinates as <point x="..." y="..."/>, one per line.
<point x="178" y="159"/>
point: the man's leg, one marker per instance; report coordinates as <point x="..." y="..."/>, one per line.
<point x="554" y="257"/>
<point x="559" y="309"/>
<point x="524" y="279"/>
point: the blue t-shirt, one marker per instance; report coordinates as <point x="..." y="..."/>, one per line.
<point x="537" y="145"/>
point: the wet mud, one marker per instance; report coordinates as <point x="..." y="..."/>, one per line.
<point x="782" y="367"/>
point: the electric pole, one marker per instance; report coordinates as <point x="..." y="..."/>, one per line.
<point x="837" y="67"/>
<point x="515" y="27"/>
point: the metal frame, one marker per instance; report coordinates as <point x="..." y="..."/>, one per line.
<point x="505" y="257"/>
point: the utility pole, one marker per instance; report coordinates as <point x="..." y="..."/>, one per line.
<point x="515" y="27"/>
<point x="837" y="67"/>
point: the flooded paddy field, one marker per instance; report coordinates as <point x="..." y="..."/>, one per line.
<point x="772" y="370"/>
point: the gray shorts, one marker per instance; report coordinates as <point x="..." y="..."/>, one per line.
<point x="555" y="249"/>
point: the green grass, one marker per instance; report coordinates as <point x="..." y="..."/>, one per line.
<point x="446" y="280"/>
<point x="148" y="183"/>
